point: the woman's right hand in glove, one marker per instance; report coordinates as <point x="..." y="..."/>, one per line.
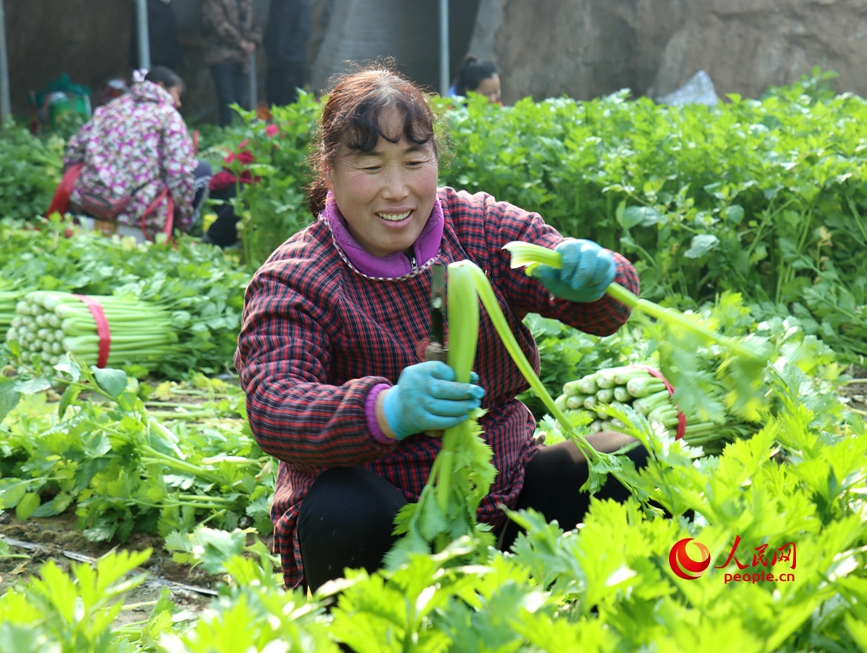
<point x="427" y="398"/>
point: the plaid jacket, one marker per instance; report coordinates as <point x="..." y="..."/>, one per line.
<point x="318" y="336"/>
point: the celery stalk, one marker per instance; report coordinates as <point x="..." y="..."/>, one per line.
<point x="489" y="301"/>
<point x="463" y="339"/>
<point x="575" y="402"/>
<point x="529" y="255"/>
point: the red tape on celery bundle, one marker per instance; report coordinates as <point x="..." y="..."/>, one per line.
<point x="681" y="418"/>
<point x="102" y="329"/>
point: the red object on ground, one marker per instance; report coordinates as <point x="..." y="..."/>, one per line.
<point x="170" y="218"/>
<point x="60" y="201"/>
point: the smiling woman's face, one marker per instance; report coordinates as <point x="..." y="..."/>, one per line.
<point x="386" y="195"/>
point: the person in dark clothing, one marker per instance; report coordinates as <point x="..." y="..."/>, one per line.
<point x="289" y="26"/>
<point x="165" y="48"/>
<point x="230" y="34"/>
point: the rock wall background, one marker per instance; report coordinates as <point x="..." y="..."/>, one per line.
<point x="587" y="48"/>
<point x="580" y="48"/>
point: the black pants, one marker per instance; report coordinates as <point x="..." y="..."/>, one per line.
<point x="231" y="82"/>
<point x="347" y="518"/>
<point x="282" y="83"/>
<point x="224" y="230"/>
<point x="201" y="179"/>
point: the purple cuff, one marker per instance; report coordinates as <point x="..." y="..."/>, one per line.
<point x="370" y="413"/>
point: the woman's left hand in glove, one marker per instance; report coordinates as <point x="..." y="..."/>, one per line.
<point x="587" y="271"/>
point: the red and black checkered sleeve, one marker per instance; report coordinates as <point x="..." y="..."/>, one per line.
<point x="283" y="358"/>
<point x="509" y="223"/>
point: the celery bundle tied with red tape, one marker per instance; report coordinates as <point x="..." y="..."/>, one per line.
<point x="635" y="386"/>
<point x="50" y="324"/>
<point x="742" y="366"/>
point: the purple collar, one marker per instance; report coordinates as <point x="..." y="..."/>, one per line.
<point x="390" y="266"/>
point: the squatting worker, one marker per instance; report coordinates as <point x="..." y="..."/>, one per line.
<point x="336" y="320"/>
<point x="139" y="145"/>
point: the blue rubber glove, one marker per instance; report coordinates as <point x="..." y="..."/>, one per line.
<point x="426" y="398"/>
<point x="587" y="271"/>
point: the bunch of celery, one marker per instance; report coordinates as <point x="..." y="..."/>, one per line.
<point x="8" y="301"/>
<point x="635" y="386"/>
<point x="632" y="385"/>
<point x="462" y="472"/>
<point x="742" y="365"/>
<point x="49" y="324"/>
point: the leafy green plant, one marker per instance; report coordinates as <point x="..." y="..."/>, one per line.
<point x="758" y="197"/>
<point x="72" y="612"/>
<point x="274" y="206"/>
<point x="253" y="611"/>
<point x="121" y="468"/>
<point x="199" y="285"/>
<point x="30" y="169"/>
<point x="606" y="586"/>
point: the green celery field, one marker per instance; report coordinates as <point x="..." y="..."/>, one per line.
<point x="135" y="502"/>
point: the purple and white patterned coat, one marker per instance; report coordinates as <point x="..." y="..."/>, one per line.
<point x="139" y="138"/>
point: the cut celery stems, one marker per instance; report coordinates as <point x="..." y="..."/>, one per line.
<point x="529" y="256"/>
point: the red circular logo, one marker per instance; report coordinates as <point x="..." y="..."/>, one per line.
<point x="681" y="562"/>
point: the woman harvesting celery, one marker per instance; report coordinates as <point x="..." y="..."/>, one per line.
<point x="331" y="350"/>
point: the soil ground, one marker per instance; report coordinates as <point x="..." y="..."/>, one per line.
<point x="59" y="539"/>
<point x="855" y="393"/>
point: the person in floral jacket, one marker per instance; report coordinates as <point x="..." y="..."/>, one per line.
<point x="230" y="34"/>
<point x="138" y="145"/>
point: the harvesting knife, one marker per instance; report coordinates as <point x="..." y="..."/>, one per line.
<point x="436" y="351"/>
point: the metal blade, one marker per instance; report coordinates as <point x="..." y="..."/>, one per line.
<point x="437" y="303"/>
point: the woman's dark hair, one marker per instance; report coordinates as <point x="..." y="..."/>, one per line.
<point x="352" y="117"/>
<point x="164" y="76"/>
<point x="472" y="72"/>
